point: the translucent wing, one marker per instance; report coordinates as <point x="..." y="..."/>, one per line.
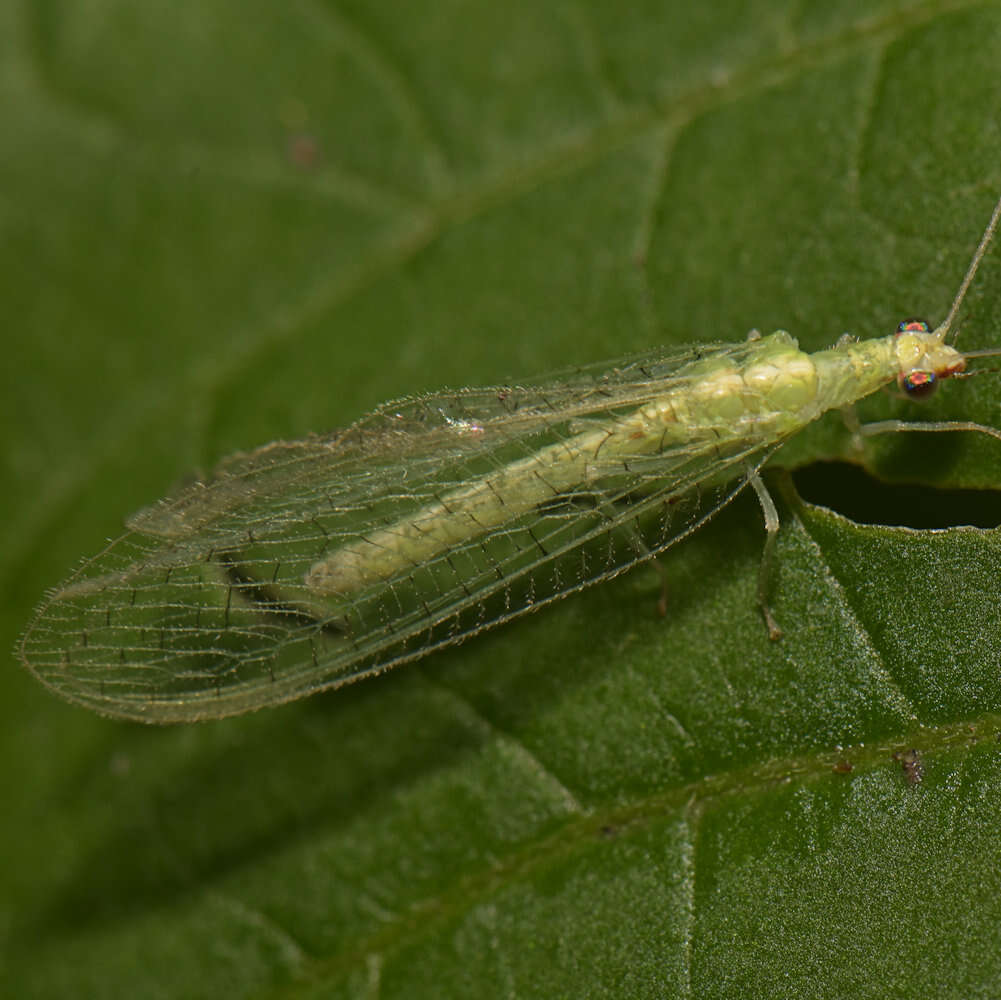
<point x="203" y="609"/>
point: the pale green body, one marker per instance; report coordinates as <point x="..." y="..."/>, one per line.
<point x="776" y="391"/>
<point x="305" y="565"/>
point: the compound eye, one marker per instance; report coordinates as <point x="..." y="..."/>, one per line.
<point x="913" y="326"/>
<point x="918" y="385"/>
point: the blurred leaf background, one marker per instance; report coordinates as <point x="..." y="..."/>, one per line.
<point x="226" y="223"/>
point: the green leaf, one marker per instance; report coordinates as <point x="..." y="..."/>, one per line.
<point x="228" y="223"/>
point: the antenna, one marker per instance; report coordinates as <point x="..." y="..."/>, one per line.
<point x="971" y="272"/>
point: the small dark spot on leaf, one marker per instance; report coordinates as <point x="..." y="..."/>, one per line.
<point x="910" y="763"/>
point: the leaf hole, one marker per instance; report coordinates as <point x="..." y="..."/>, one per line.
<point x="849" y="490"/>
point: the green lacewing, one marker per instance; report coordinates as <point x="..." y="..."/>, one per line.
<point x="305" y="565"/>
